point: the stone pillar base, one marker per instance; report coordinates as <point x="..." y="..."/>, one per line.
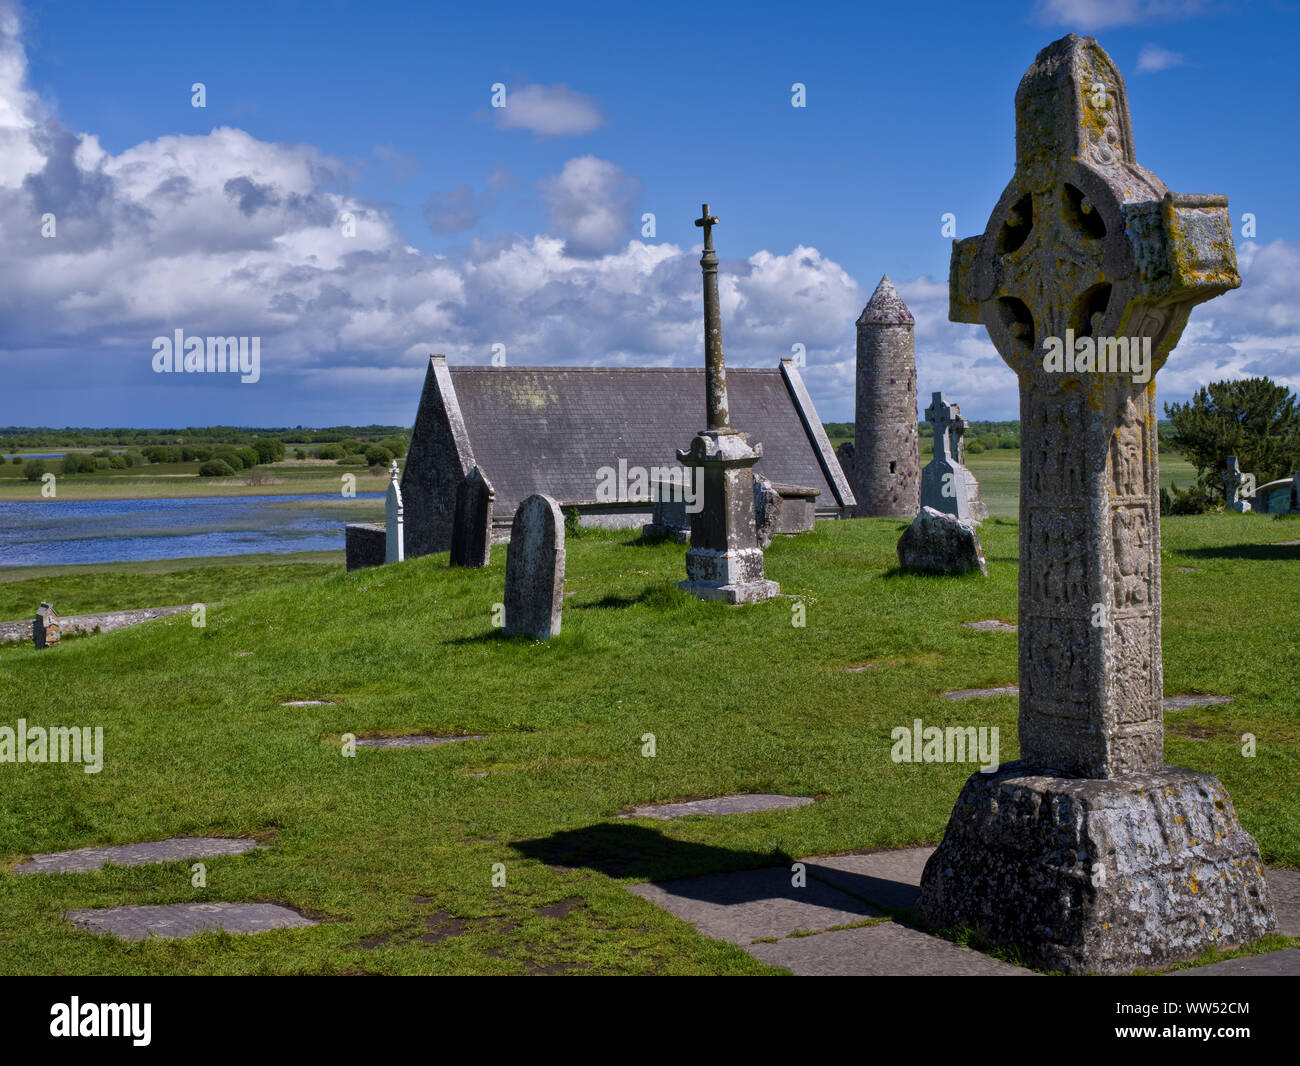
<point x="748" y="592"/>
<point x="1102" y="876"/>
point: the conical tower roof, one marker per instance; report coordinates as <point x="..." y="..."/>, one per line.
<point x="886" y="307"/>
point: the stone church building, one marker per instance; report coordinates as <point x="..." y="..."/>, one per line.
<point x="593" y="438"/>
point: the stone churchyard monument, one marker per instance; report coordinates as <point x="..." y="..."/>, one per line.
<point x="1090" y="854"/>
<point x="471" y="535"/>
<point x="725" y="561"/>
<point x="535" y="570"/>
<point x="1237" y="487"/>
<point x="883" y="462"/>
<point x="393" y="519"/>
<point x="946" y="484"/>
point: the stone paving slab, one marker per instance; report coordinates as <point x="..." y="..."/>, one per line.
<point x="982" y="693"/>
<point x="1171" y="703"/>
<point x="1284" y="894"/>
<point x="1285" y="963"/>
<point x="87" y="860"/>
<point x="889" y="879"/>
<point x="174" y="920"/>
<point x="992" y="625"/>
<point x="743" y="804"/>
<point x="884" y="950"/>
<point x="742" y="907"/>
<point x="409" y="742"/>
<point x="307" y="703"/>
<point x="844" y="889"/>
<point x="1181" y="703"/>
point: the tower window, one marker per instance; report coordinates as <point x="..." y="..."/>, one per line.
<point x="893" y="466"/>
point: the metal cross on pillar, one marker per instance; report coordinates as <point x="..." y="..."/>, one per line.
<point x="725" y="560"/>
<point x="1085" y="277"/>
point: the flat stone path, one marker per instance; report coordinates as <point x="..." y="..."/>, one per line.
<point x="105" y="622"/>
<point x="742" y="804"/>
<point x="1172" y="703"/>
<point x="306" y="703"/>
<point x="1285" y="963"/>
<point x="87" y="860"/>
<point x="186" y="919"/>
<point x="762" y="912"/>
<point x="419" y="741"/>
<point x="992" y="625"/>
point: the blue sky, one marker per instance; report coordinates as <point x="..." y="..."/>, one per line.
<point x="522" y="226"/>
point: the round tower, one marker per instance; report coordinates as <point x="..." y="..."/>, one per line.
<point x="886" y="459"/>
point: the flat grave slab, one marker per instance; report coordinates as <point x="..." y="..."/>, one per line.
<point x="884" y="950"/>
<point x="172" y="920"/>
<point x="742" y="804"/>
<point x="992" y="625"/>
<point x="307" y="703"/>
<point x="741" y="907"/>
<point x="420" y="741"/>
<point x="1180" y="703"/>
<point x="982" y="693"/>
<point x="1285" y="963"/>
<point x="87" y="860"/>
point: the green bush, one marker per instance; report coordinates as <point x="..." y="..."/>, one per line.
<point x="378" y="455"/>
<point x="268" y="449"/>
<point x="396" y="445"/>
<point x="17" y="460"/>
<point x="103" y="462"/>
<point x="1197" y="499"/>
<point x="34" y="470"/>
<point x="78" y="464"/>
<point x="215" y="468"/>
<point x="352" y="460"/>
<point x="573" y="523"/>
<point x="298" y="453"/>
<point x="330" y="451"/>
<point x="974" y="448"/>
<point x="248" y="455"/>
<point x="117" y="462"/>
<point x="228" y="456"/>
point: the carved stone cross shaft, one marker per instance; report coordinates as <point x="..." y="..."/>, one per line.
<point x="942" y="416"/>
<point x="715" y="368"/>
<point x="1086" y="240"/>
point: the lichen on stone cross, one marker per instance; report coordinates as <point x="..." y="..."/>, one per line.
<point x="1085" y="277"/>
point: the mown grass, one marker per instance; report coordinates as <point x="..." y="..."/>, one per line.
<point x="394" y="849"/>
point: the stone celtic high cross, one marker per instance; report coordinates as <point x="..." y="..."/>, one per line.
<point x="1086" y="240"/>
<point x="1089" y="854"/>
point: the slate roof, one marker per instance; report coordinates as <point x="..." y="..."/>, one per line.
<point x="551" y="429"/>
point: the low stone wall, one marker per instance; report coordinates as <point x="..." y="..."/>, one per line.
<point x="103" y="622"/>
<point x="365" y="544"/>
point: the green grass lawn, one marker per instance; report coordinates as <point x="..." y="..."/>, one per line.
<point x="393" y="850"/>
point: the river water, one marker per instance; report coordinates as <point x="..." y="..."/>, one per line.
<point x="54" y="532"/>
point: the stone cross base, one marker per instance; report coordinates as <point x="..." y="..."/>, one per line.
<point x="1090" y="875"/>
<point x="725" y="561"/>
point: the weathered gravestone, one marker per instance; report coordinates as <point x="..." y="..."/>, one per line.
<point x="1089" y="854"/>
<point x="725" y="561"/>
<point x="471" y="532"/>
<point x="767" y="510"/>
<point x="946" y="484"/>
<point x="45" y="627"/>
<point x="394" y="539"/>
<point x="1237" y="487"/>
<point x="941" y="543"/>
<point x="535" y="569"/>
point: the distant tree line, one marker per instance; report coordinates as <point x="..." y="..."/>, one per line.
<point x="15" y="438"/>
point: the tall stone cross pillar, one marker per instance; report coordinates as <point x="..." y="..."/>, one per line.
<point x="945" y="483"/>
<point x="725" y="561"/>
<point x="394" y="515"/>
<point x="1089" y="853"/>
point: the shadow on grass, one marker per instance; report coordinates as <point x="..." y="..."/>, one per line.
<point x="643" y="541"/>
<point x="1263" y="552"/>
<point x="624" y="849"/>
<point x="900" y="571"/>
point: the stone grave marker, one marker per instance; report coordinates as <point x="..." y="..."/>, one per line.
<point x="1089" y="854"/>
<point x="1237" y="487"/>
<point x="535" y="569"/>
<point x="394" y="534"/>
<point x="471" y="531"/>
<point x="946" y="485"/>
<point x="45" y="627"/>
<point x="941" y="543"/>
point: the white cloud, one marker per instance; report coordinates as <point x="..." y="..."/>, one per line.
<point x="1152" y="58"/>
<point x="548" y="111"/>
<point x="1101" y="14"/>
<point x="590" y="203"/>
